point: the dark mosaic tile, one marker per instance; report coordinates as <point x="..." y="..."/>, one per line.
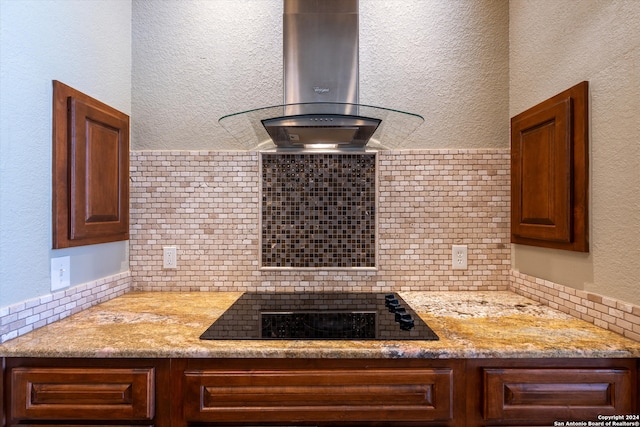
<point x="318" y="210"/>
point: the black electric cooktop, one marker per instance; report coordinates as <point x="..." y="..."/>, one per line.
<point x="318" y="316"/>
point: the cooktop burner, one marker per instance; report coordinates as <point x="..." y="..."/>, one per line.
<point x="317" y="316"/>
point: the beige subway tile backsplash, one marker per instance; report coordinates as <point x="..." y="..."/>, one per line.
<point x="604" y="312"/>
<point x="24" y="317"/>
<point x="207" y="205"/>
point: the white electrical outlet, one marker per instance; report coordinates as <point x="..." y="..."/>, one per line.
<point x="60" y="273"/>
<point x="459" y="257"/>
<point x="169" y="257"/>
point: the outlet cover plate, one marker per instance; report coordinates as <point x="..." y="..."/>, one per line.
<point x="169" y="257"/>
<point x="459" y="257"/>
<point x="60" y="273"/>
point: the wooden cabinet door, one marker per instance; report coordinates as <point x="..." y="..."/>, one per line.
<point x="91" y="170"/>
<point x="303" y="395"/>
<point x="549" y="170"/>
<point x="556" y="394"/>
<point x="40" y="393"/>
<point x="87" y="391"/>
<point x="320" y="392"/>
<point x="99" y="165"/>
<point x="542" y="173"/>
<point x="539" y="392"/>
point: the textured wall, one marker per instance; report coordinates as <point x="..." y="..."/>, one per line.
<point x="445" y="60"/>
<point x="86" y="45"/>
<point x="197" y="60"/>
<point x="554" y="45"/>
<point x="207" y="204"/>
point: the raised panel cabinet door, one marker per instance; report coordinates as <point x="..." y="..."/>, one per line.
<point x="70" y="394"/>
<point x="549" y="171"/>
<point x="547" y="395"/>
<point x="99" y="165"/>
<point x="541" y="153"/>
<point x="340" y="395"/>
<point x="90" y="170"/>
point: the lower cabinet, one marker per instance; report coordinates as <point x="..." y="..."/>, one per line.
<point x="317" y="392"/>
<point x="87" y="392"/>
<point x="547" y="392"/>
<point x="321" y="392"/>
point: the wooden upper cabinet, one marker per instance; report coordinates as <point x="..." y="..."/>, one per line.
<point x="549" y="167"/>
<point x="90" y="170"/>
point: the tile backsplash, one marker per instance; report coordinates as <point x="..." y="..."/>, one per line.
<point x="207" y="205"/>
<point x="19" y="319"/>
<point x="607" y="313"/>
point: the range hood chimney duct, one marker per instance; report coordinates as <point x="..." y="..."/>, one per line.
<point x="320" y="41"/>
<point x="321" y="101"/>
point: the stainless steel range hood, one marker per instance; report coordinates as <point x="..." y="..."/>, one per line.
<point x="321" y="87"/>
<point x="321" y="65"/>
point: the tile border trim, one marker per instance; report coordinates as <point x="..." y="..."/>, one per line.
<point x="602" y="311"/>
<point x="21" y="318"/>
<point x="605" y="312"/>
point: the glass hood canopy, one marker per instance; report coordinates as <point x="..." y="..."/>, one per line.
<point x="327" y="125"/>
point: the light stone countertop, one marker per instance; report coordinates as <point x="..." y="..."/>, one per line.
<point x="469" y="324"/>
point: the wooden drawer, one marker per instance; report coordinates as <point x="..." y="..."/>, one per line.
<point x="344" y="395"/>
<point x="41" y="393"/>
<point x="556" y="394"/>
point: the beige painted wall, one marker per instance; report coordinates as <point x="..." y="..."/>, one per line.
<point x="554" y="45"/>
<point x="197" y="60"/>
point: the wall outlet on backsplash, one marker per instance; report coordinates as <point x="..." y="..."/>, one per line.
<point x="60" y="273"/>
<point x="459" y="257"/>
<point x="169" y="257"/>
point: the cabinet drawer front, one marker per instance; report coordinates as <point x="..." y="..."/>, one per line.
<point x="82" y="394"/>
<point x="554" y="394"/>
<point x="319" y="395"/>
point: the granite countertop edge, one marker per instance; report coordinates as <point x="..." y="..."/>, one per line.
<point x="347" y="354"/>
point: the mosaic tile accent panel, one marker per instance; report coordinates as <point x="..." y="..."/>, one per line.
<point x="318" y="210"/>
